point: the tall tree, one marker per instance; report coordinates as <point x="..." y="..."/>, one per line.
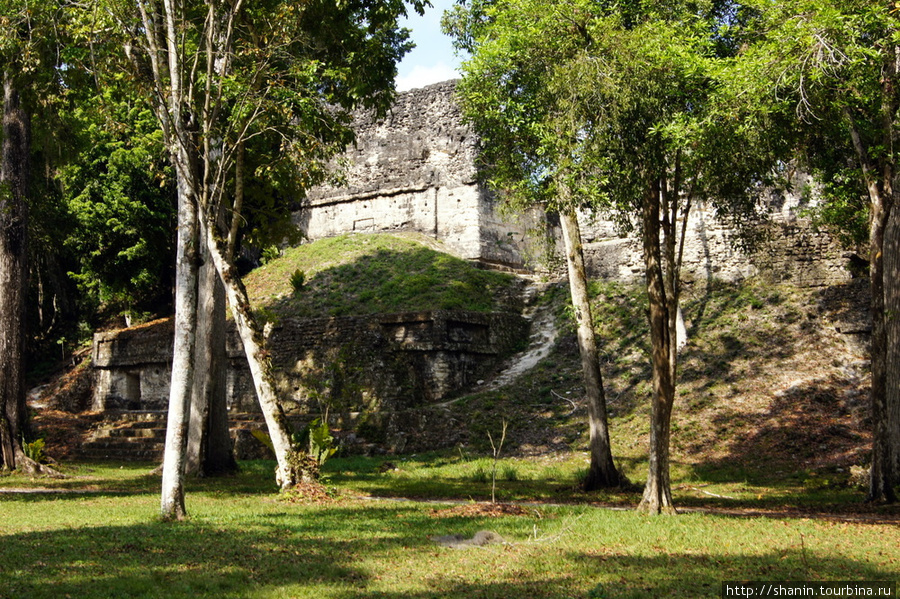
<point x="13" y="271"/>
<point x="612" y="105"/>
<point x="220" y="73"/>
<point x="835" y="65"/>
<point x="28" y="67"/>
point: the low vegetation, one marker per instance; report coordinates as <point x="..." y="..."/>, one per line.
<point x="370" y="274"/>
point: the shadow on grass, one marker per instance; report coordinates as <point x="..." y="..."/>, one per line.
<point x="355" y="553"/>
<point x="613" y="575"/>
<point x="100" y="479"/>
<point x="808" y="426"/>
<point x="196" y="559"/>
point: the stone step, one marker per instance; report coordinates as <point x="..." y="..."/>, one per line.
<point x="140" y="436"/>
<point x="142" y="433"/>
<point x="124" y="443"/>
<point x="136" y="416"/>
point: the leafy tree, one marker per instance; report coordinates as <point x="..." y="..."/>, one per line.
<point x="217" y="75"/>
<point x="28" y="39"/>
<point x="614" y="107"/>
<point x="836" y="65"/>
<point x="122" y="197"/>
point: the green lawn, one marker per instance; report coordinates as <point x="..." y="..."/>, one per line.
<point x="244" y="540"/>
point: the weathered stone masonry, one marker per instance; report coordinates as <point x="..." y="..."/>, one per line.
<point x="415" y="171"/>
<point x="349" y="364"/>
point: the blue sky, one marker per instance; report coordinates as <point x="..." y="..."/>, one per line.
<point x="432" y="59"/>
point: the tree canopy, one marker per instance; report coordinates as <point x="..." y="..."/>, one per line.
<point x="619" y="109"/>
<point x="837" y="65"/>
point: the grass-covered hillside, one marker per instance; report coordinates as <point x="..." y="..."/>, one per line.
<point x="368" y="274"/>
<point x="771" y="407"/>
<point x="771" y="398"/>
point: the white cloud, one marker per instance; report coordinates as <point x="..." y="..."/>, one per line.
<point x="420" y="76"/>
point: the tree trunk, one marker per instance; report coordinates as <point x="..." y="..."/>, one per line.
<point x="602" y="472"/>
<point x="14" y="169"/>
<point x="882" y="472"/>
<point x="657" y="498"/>
<point x="294" y="466"/>
<point x="878" y="177"/>
<point x="172" y="505"/>
<point x="209" y="449"/>
<point x="892" y="356"/>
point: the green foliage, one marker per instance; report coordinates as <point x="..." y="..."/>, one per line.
<point x="121" y="194"/>
<point x="509" y="473"/>
<point x="603" y="101"/>
<point x="34" y="450"/>
<point x="297" y="280"/>
<point x="826" y="67"/>
<point x="318" y="438"/>
<point x="481" y="474"/>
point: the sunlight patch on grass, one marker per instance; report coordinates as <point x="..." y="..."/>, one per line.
<point x="258" y="546"/>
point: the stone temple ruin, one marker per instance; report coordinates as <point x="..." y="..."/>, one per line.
<point x="415" y="171"/>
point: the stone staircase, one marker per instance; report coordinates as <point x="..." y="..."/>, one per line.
<point x="141" y="436"/>
<point x="126" y="436"/>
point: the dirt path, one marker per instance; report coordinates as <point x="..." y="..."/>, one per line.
<point x="540" y="343"/>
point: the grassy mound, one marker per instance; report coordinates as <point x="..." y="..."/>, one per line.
<point x="768" y="391"/>
<point x="369" y="274"/>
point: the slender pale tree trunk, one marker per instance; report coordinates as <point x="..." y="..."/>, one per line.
<point x="294" y="466"/>
<point x="657" y="498"/>
<point x="172" y="503"/>
<point x="14" y="165"/>
<point x="602" y="472"/>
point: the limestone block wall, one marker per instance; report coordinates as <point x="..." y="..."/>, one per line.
<point x="132" y="367"/>
<point x="349" y="364"/>
<point x="788" y="247"/>
<point x="384" y="362"/>
<point x="414" y="170"/>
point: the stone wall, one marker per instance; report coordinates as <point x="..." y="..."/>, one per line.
<point x="787" y="248"/>
<point x="350" y="364"/>
<point x="414" y="170"/>
<point x="133" y="367"/>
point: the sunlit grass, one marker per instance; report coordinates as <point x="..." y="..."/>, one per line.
<point x="368" y="274"/>
<point x="244" y="540"/>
